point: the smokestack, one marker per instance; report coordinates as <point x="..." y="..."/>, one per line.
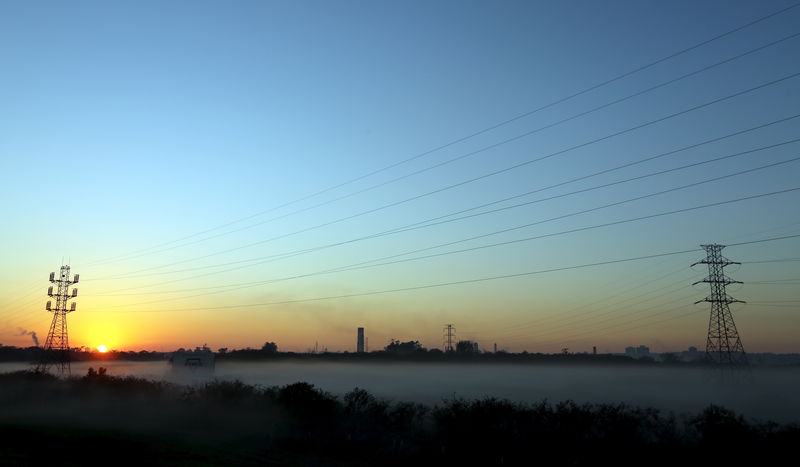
<point x="360" y="341"/>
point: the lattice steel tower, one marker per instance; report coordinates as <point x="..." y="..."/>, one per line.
<point x="448" y="337"/>
<point x="723" y="347"/>
<point x="56" y="347"/>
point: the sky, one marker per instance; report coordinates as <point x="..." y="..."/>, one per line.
<point x="234" y="173"/>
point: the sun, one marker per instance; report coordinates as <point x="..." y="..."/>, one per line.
<point x="101" y="348"/>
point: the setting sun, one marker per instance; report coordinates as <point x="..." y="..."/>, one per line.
<point x="101" y="348"/>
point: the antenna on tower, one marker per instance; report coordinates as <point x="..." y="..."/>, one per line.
<point x="723" y="346"/>
<point x="56" y="347"/>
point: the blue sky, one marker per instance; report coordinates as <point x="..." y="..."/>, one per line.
<point x="127" y="126"/>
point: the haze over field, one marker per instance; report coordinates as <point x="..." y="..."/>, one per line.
<point x="770" y="395"/>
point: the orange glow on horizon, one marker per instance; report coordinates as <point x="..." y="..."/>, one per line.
<point x="102" y="348"/>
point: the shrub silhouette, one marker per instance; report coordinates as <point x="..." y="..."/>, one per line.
<point x="717" y="425"/>
<point x="303" y="425"/>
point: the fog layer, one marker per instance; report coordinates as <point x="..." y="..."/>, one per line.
<point x="767" y="394"/>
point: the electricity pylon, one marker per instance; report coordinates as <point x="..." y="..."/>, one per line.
<point x="448" y="337"/>
<point x="56" y="347"/>
<point x="723" y="346"/>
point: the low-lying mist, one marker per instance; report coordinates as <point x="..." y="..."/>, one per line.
<point x="766" y="393"/>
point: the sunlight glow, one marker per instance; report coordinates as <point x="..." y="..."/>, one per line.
<point x="101" y="348"/>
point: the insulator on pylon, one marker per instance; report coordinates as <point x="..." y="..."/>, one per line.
<point x="52" y="277"/>
<point x="50" y="291"/>
<point x="72" y="307"/>
<point x="74" y="292"/>
<point x="75" y="280"/>
<point x="49" y="305"/>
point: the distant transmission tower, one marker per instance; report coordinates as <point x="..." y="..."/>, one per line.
<point x="448" y="337"/>
<point x="723" y="346"/>
<point x="56" y="347"/>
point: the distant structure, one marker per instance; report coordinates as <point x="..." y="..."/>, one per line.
<point x="723" y="345"/>
<point x="637" y="352"/>
<point x="495" y="347"/>
<point x="56" y="347"/>
<point x="448" y="337"/>
<point x="594" y="350"/>
<point x="691" y="354"/>
<point x="360" y="341"/>
<point x="199" y="359"/>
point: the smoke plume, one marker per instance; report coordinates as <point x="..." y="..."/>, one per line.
<point x="24" y="332"/>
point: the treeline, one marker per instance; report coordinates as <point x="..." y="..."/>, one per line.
<point x="231" y="423"/>
<point x="413" y="351"/>
<point x="35" y="354"/>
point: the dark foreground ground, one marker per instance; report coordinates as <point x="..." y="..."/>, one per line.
<point x="103" y="420"/>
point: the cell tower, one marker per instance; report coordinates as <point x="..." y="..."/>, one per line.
<point x="448" y="338"/>
<point x="723" y="346"/>
<point x="56" y="347"/>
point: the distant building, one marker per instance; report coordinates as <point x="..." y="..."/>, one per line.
<point x="475" y="348"/>
<point x="360" y="341"/>
<point x="637" y="352"/>
<point x="691" y="355"/>
<point x="594" y="350"/>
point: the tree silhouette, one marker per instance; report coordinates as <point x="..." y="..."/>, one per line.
<point x="465" y="347"/>
<point x="397" y="347"/>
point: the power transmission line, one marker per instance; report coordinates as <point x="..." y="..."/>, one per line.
<point x="375" y="263"/>
<point x="504" y="170"/>
<point x="615" y="329"/>
<point x="486" y="148"/>
<point x="469" y="136"/>
<point x="579" y="333"/>
<point x="568" y="319"/>
<point x="581" y="321"/>
<point x="546" y="319"/>
<point x="447" y="217"/>
<point x="478" y="280"/>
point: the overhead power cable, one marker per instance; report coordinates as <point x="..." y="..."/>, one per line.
<point x="581" y="320"/>
<point x="614" y="306"/>
<point x="437" y="220"/>
<point x="560" y="329"/>
<point x="500" y="171"/>
<point x="616" y="329"/>
<point x="485" y="148"/>
<point x="621" y="291"/>
<point x="460" y="139"/>
<point x="472" y="281"/>
<point x="377" y="262"/>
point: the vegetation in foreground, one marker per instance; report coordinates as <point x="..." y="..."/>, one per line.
<point x="99" y="419"/>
